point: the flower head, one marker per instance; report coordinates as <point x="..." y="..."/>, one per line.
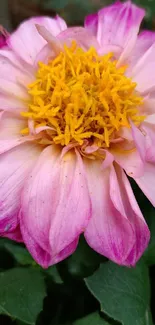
<point x="82" y="95"/>
<point x="77" y="115"/>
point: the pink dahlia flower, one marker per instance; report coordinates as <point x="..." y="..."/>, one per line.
<point x="3" y="37"/>
<point x="77" y="117"/>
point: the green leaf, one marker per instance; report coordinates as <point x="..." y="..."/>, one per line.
<point x="55" y="4"/>
<point x="3" y="241"/>
<point x="20" y="254"/>
<point x="21" y="294"/>
<point x="74" y="11"/>
<point x="92" y="319"/>
<point x="122" y="292"/>
<point x="53" y="272"/>
<point x="6" y="259"/>
<point x="149" y="214"/>
<point x="83" y="262"/>
<point x="148" y="318"/>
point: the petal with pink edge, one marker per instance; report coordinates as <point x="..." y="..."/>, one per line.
<point x="149" y="131"/>
<point x="27" y="42"/>
<point x="84" y="38"/>
<point x="12" y="104"/>
<point x="142" y="73"/>
<point x="117" y="228"/>
<point x="14" y="235"/>
<point x="148" y="108"/>
<point x="109" y="232"/>
<point x="144" y="139"/>
<point x="14" y="77"/>
<point x="55" y="204"/>
<point x="91" y="23"/>
<point x="144" y="41"/>
<point x="124" y="201"/>
<point x="14" y="168"/>
<point x="149" y="128"/>
<point x="139" y="140"/>
<point x="150" y="120"/>
<point x="13" y="69"/>
<point x="10" y="126"/>
<point x="13" y="90"/>
<point x="129" y="160"/>
<point x="10" y="132"/>
<point x="117" y="24"/>
<point x="147" y="182"/>
<point x="41" y="256"/>
<point x="44" y="55"/>
<point x="53" y="46"/>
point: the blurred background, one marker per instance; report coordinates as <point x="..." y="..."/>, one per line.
<point x="12" y="12"/>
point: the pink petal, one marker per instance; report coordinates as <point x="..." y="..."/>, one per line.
<point x="149" y="137"/>
<point x="142" y="72"/>
<point x="124" y="201"/>
<point x="61" y="25"/>
<point x="150" y="120"/>
<point x="83" y="37"/>
<point x="14" y="166"/>
<point x="144" y="139"/>
<point x="14" y="78"/>
<point x="73" y="200"/>
<point x="13" y="89"/>
<point x="109" y="158"/>
<point x="10" y="126"/>
<point x="55" y="25"/>
<point x="130" y="161"/>
<point x="16" y="61"/>
<point x="41" y="256"/>
<point x="53" y="41"/>
<point x="44" y="55"/>
<point x="125" y="133"/>
<point x="149" y="105"/>
<point x="11" y="103"/>
<point x="14" y="69"/>
<point x="108" y="230"/>
<point x="27" y="42"/>
<point x="2" y="41"/>
<point x="10" y="132"/>
<point x="144" y="41"/>
<point x="139" y="141"/>
<point x="125" y="54"/>
<point x="55" y="204"/>
<point x="14" y="235"/>
<point x="117" y="24"/>
<point x="53" y="47"/>
<point x="112" y="229"/>
<point x="3" y="37"/>
<point x="147" y="182"/>
<point x="91" y="23"/>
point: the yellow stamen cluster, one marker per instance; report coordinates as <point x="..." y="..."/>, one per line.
<point x="82" y="95"/>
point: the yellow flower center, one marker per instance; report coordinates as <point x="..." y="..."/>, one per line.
<point x="82" y="95"/>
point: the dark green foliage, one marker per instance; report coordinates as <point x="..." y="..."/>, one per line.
<point x="74" y="11"/>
